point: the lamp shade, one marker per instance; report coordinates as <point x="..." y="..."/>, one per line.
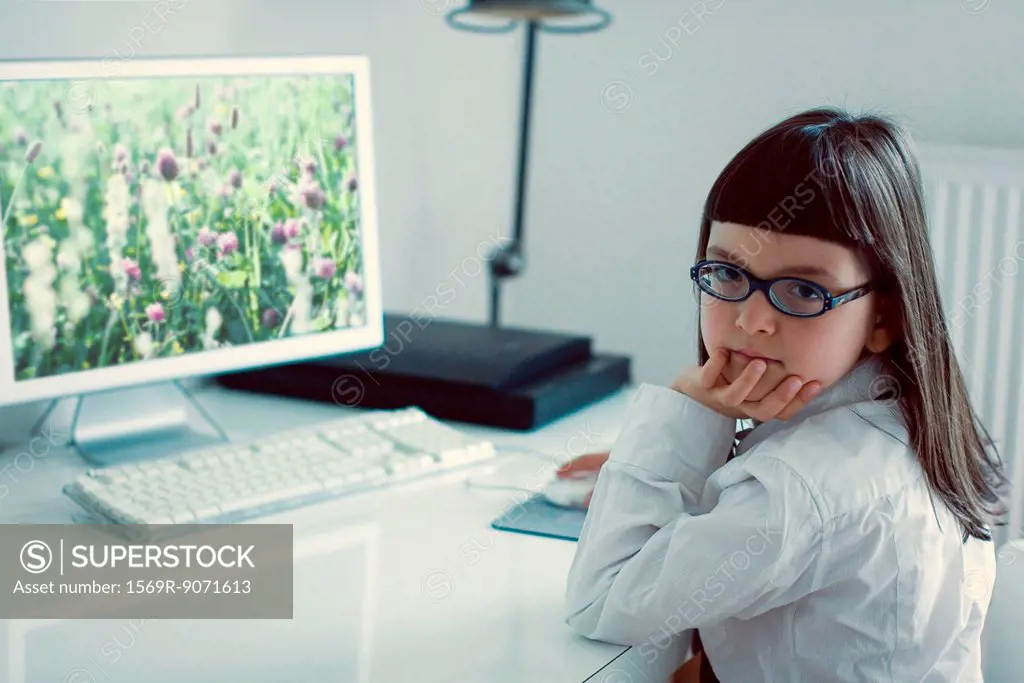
<point x="555" y="16"/>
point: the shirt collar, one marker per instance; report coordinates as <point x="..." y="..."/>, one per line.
<point x="867" y="380"/>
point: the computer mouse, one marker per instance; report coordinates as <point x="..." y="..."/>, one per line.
<point x="570" y="492"/>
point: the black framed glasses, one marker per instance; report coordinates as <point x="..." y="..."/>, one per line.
<point x="791" y="295"/>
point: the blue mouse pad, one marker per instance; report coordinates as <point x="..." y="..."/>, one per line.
<point x="538" y="517"/>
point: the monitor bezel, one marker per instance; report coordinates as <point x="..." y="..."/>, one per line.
<point x="79" y="73"/>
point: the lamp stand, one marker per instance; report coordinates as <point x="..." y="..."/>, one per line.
<point x="507" y="261"/>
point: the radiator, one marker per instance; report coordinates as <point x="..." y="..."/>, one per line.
<point x="973" y="200"/>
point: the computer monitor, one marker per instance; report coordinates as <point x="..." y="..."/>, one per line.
<point x="167" y="218"/>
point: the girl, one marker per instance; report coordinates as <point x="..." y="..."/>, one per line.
<point x="838" y="539"/>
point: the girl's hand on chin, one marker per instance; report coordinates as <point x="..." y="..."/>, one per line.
<point x="707" y="385"/>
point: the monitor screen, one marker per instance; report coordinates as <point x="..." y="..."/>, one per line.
<point x="182" y="217"/>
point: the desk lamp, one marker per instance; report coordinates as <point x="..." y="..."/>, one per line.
<point x="504" y="16"/>
<point x="511" y="378"/>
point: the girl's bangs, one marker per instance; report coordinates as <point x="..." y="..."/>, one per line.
<point x="793" y="181"/>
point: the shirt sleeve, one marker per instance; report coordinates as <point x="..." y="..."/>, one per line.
<point x="646" y="562"/>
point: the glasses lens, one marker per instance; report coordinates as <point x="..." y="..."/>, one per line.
<point x="798" y="297"/>
<point x="723" y="281"/>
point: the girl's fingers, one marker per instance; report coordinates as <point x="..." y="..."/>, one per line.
<point x="803" y="397"/>
<point x="737" y="392"/>
<point x="713" y="368"/>
<point x="777" y="400"/>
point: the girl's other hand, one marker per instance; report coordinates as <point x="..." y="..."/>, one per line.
<point x="585" y="465"/>
<point x="707" y="385"/>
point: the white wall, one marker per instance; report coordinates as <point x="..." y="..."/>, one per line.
<point x="615" y="197"/>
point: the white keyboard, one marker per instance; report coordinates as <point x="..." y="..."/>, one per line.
<point x="231" y="482"/>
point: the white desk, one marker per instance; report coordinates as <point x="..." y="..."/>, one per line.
<point x="404" y="584"/>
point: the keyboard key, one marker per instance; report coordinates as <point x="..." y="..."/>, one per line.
<point x="206" y="512"/>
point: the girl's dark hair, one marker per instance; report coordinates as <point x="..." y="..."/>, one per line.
<point x="855" y="180"/>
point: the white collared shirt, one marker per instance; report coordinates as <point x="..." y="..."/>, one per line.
<point x="815" y="554"/>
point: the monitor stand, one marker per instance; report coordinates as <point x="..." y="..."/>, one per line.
<point x="140" y="423"/>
